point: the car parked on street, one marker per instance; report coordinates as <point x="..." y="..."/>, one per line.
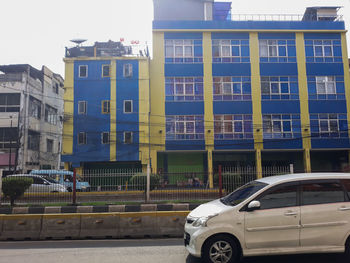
<point x="63" y="177"/>
<point x="288" y="214"/>
<point x="41" y="185"/>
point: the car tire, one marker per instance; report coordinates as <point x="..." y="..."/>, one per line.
<point x="347" y="249"/>
<point x="220" y="249"/>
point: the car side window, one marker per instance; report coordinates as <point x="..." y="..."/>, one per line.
<point x="314" y="193"/>
<point x="38" y="180"/>
<point x="279" y="196"/>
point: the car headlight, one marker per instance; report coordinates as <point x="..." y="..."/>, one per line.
<point x="202" y="221"/>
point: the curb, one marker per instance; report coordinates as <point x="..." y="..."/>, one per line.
<point x="97" y="209"/>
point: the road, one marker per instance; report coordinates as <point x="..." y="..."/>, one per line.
<point x="123" y="251"/>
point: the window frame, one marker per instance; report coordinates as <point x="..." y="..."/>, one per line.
<point x="9" y="107"/>
<point x="323" y="46"/>
<point x="276" y="45"/>
<point x="131" y="137"/>
<point x="108" y="138"/>
<point x="86" y="70"/>
<point x="131" y="106"/>
<point x="127" y="70"/>
<point x="282" y="133"/>
<point x="109" y="70"/>
<point x="50" y="114"/>
<point x="47" y="145"/>
<point x="82" y="102"/>
<point x="108" y="106"/>
<point x="84" y="138"/>
<point x="178" y="127"/>
<point x="326" y="82"/>
<point x="221" y="119"/>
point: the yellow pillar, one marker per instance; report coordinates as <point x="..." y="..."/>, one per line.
<point x="143" y="113"/>
<point x="113" y="113"/>
<point x="304" y="102"/>
<point x="256" y="100"/>
<point x="346" y="74"/>
<point x="157" y="101"/>
<point x="67" y="144"/>
<point x="208" y="103"/>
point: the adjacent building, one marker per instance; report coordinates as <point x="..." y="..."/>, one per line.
<point x="106" y="120"/>
<point x="31" y="118"/>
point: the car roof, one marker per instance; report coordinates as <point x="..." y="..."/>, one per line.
<point x="302" y="176"/>
<point x="28" y="175"/>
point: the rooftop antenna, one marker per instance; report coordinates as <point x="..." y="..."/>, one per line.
<point x="78" y="41"/>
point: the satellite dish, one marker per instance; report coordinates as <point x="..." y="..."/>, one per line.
<point x="78" y="41"/>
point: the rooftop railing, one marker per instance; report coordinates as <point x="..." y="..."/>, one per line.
<point x="284" y="17"/>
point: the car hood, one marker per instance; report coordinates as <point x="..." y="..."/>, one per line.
<point x="208" y="209"/>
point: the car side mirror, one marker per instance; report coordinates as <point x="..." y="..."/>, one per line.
<point x="253" y="205"/>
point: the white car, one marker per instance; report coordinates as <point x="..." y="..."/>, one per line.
<point x="42" y="185"/>
<point x="288" y="214"/>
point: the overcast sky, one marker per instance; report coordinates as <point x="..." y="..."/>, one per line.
<point x="36" y="32"/>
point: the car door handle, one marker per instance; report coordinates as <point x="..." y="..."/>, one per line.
<point x="344" y="208"/>
<point x="290" y="213"/>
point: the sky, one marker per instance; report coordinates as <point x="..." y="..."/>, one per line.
<point x="36" y="32"/>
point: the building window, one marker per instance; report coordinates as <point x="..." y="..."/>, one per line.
<point x="185" y="127"/>
<point x="326" y="50"/>
<point x="128" y="106"/>
<point x="326" y="87"/>
<point x="8" y="137"/>
<point x="55" y="88"/>
<point x="229" y="127"/>
<point x="49" y="145"/>
<point x="106" y="107"/>
<point x="184" y="89"/>
<point x="281" y="126"/>
<point x="274" y="50"/>
<point x="10" y="102"/>
<point x="33" y="140"/>
<point x="82" y="107"/>
<point x="183" y="51"/>
<point x="279" y="88"/>
<point x="127" y="70"/>
<point x="329" y="125"/>
<point x="105" y="137"/>
<point x="231" y="88"/>
<point x="81" y="138"/>
<point x="83" y="71"/>
<point x="105" y="71"/>
<point x="128" y="137"/>
<point x="34" y="108"/>
<point x="50" y="114"/>
<point x="230" y="50"/>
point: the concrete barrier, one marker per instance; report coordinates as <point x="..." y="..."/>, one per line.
<point x="19" y="227"/>
<point x="1" y="220"/>
<point x="59" y="226"/>
<point x="99" y="225"/>
<point x="171" y="223"/>
<point x="138" y="224"/>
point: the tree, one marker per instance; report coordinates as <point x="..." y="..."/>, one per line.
<point x="14" y="187"/>
<point x="139" y="181"/>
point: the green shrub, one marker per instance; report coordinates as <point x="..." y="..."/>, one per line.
<point x="14" y="187"/>
<point x="230" y="181"/>
<point x="139" y="182"/>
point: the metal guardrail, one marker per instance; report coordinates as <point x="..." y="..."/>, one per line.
<point x="282" y="17"/>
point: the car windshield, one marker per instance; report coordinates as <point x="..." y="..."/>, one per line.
<point x="242" y="193"/>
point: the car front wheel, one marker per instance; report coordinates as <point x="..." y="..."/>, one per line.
<point x="220" y="249"/>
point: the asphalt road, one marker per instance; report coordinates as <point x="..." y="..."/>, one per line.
<point x="123" y="251"/>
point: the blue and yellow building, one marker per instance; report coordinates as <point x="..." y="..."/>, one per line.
<point x="248" y="93"/>
<point x="262" y="91"/>
<point x="106" y="111"/>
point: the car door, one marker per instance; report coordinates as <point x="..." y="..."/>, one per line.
<point x="325" y="213"/>
<point x="39" y="185"/>
<point x="276" y="224"/>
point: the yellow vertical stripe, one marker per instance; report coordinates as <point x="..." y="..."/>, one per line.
<point x="113" y="113"/>
<point x="143" y="111"/>
<point x="256" y="99"/>
<point x="208" y="102"/>
<point x="67" y="144"/>
<point x="346" y="74"/>
<point x="304" y="102"/>
<point x="157" y="98"/>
